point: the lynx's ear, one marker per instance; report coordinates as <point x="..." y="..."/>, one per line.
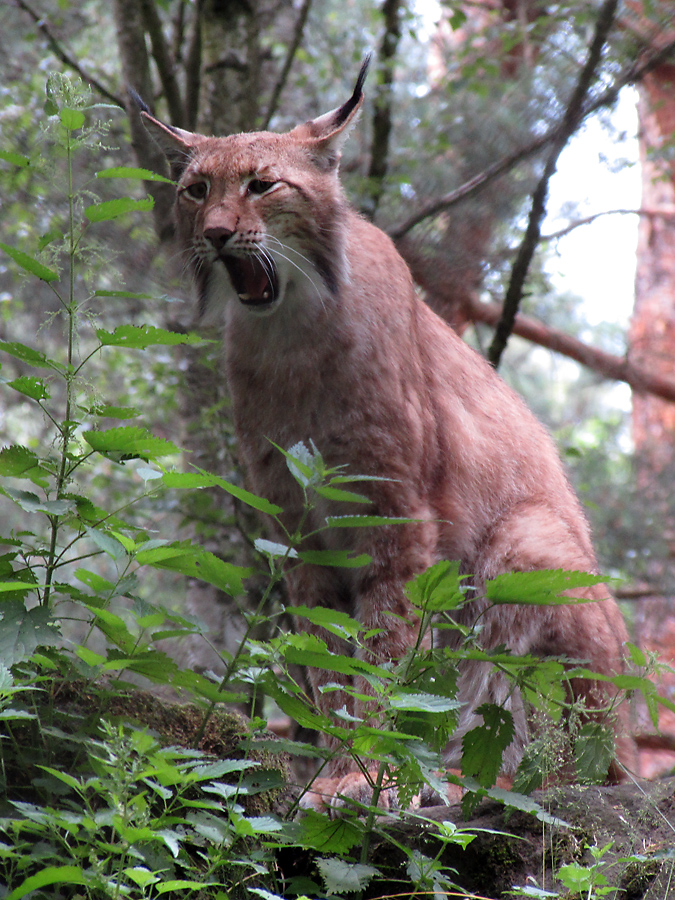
<point x="326" y="135"/>
<point x="176" y="143"/>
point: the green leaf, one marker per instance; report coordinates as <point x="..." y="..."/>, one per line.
<point x="31" y="503"/>
<point x="544" y="586"/>
<point x="181" y="885"/>
<point x="30" y="264"/>
<point x="337" y="494"/>
<point x="317" y="832"/>
<point x="341" y="877"/>
<point x="637" y="657"/>
<point x="106" y="542"/>
<point x="194" y="562"/>
<point x="92" y="659"/>
<point x="430" y="703"/>
<point x="34" y="388"/>
<point x="141" y="876"/>
<point x="71" y="119"/>
<point x="23" y="630"/>
<point x="581" y="878"/>
<point x="113" y="209"/>
<point x="483" y="746"/>
<point x="309" y="650"/>
<point x="521" y="802"/>
<point x="365" y="521"/>
<point x="339" y="558"/>
<point x="437" y="589"/>
<point x="152" y="664"/>
<point x="201" y="479"/>
<point x="593" y="753"/>
<point x="114" y="412"/>
<point x="139" y="337"/>
<point x="129" y="442"/>
<point x="209" y="771"/>
<point x="50" y="875"/>
<point x="20" y="462"/>
<point x="274" y="550"/>
<point x="12" y="586"/>
<point x="27" y="354"/>
<point x="15" y="158"/>
<point x="249" y="826"/>
<point x="130" y="172"/>
<point x="333" y="620"/>
<point x="132" y="295"/>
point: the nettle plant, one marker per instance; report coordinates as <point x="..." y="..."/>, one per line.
<point x="113" y="808"/>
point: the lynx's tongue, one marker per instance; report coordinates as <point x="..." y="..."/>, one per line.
<point x="255" y="284"/>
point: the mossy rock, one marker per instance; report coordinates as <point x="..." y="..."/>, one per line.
<point x="73" y="711"/>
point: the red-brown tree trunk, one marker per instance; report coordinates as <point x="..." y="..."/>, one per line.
<point x="652" y="344"/>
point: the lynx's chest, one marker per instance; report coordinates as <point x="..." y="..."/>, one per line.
<point x="288" y="385"/>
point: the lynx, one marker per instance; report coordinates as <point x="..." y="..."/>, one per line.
<point x="326" y="341"/>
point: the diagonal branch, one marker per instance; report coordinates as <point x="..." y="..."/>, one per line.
<point x="632" y="75"/>
<point x="608" y="365"/>
<point x="574" y="114"/>
<point x="66" y="58"/>
<point x="293" y="47"/>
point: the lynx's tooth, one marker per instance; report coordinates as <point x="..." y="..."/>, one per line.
<point x="244" y="297"/>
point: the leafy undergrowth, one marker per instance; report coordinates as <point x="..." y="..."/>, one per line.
<point x="106" y="792"/>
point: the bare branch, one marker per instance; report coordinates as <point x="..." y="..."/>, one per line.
<point x="66" y="58"/>
<point x="193" y="66"/>
<point x="162" y="56"/>
<point x="574" y="114"/>
<point x="379" y="154"/>
<point x="298" y="31"/>
<point x="632" y="75"/>
<point x="607" y="365"/>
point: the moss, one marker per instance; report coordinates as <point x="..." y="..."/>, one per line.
<point x="637" y="878"/>
<point x="76" y="709"/>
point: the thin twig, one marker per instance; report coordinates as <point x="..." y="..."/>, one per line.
<point x="298" y="31"/>
<point x="66" y="58"/>
<point x="633" y="74"/>
<point x="587" y="220"/>
<point x="574" y="114"/>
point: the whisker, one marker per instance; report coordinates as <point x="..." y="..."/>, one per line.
<point x="291" y="262"/>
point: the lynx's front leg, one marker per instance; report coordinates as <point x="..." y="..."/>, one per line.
<point x="379" y="602"/>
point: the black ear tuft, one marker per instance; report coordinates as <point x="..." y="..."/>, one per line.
<point x="138" y="100"/>
<point x="346" y="109"/>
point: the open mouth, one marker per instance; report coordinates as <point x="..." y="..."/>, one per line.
<point x="256" y="284"/>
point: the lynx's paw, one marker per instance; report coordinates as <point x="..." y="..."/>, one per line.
<point x="336" y="795"/>
<point x="355" y="789"/>
<point x="321" y="794"/>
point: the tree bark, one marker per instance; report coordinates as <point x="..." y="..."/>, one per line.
<point x="652" y="344"/>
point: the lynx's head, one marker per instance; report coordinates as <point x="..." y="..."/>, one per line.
<point x="260" y="214"/>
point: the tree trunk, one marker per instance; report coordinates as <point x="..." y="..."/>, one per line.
<point x="652" y="344"/>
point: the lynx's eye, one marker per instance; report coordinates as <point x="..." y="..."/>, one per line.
<point x="197" y="190"/>
<point x="259" y="186"/>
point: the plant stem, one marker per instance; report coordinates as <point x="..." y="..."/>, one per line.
<point x="66" y="426"/>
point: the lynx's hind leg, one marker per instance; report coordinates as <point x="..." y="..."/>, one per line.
<point x="537" y="537"/>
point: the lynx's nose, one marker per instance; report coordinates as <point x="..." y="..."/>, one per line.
<point x="218" y="236"/>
